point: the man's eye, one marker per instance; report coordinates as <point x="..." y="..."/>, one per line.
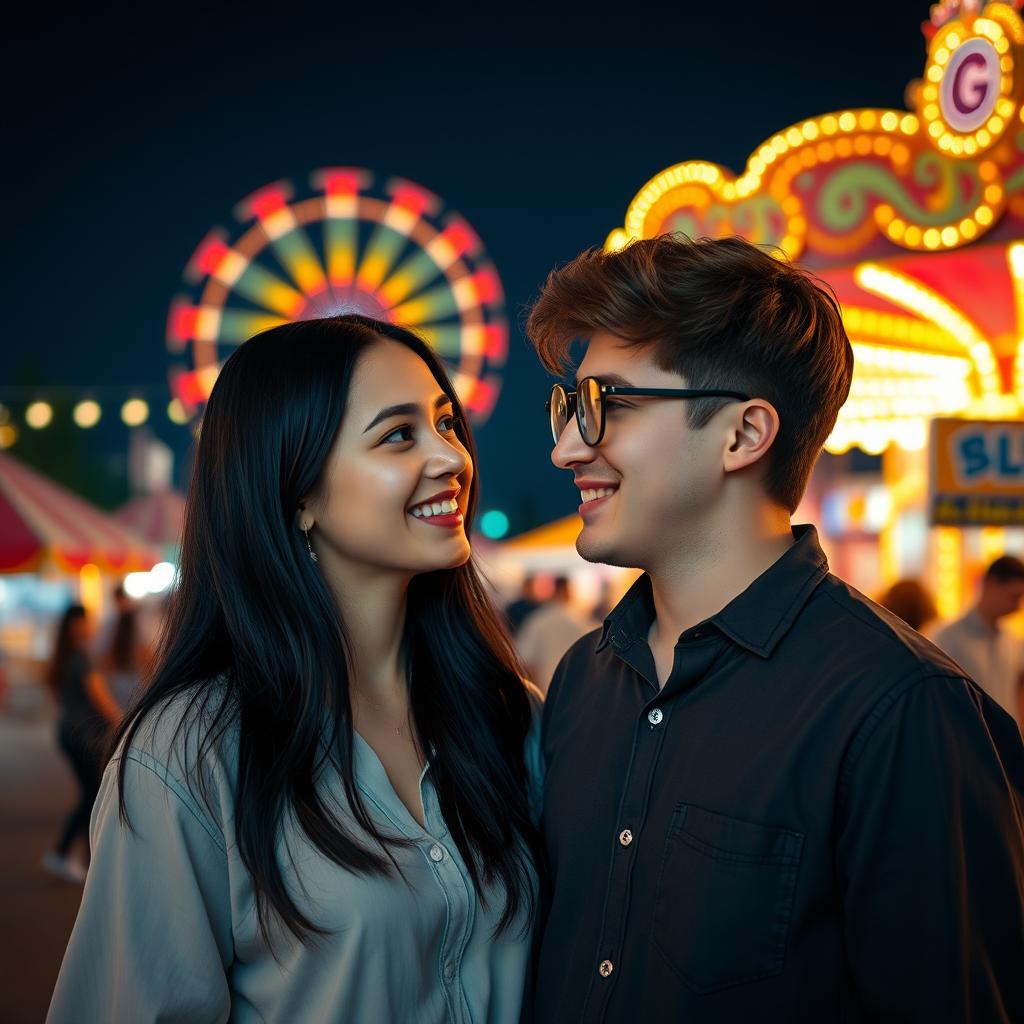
<point x="615" y="404"/>
<point x="398" y="435"/>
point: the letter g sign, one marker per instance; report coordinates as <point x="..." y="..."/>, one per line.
<point x="970" y="85"/>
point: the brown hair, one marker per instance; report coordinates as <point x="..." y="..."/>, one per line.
<point x="1005" y="569"/>
<point x="722" y="313"/>
<point x="911" y="602"/>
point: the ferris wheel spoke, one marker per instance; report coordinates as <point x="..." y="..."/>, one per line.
<point x="239" y="325"/>
<point x="341" y="186"/>
<point x="237" y="272"/>
<point x="408" y="204"/>
<point x="381" y="252"/>
<point x="265" y="289"/>
<point x="411" y="277"/>
<point x="437" y="256"/>
<point x="446" y="341"/>
<point x="289" y="241"/>
<point x="435" y="304"/>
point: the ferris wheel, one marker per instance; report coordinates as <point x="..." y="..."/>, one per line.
<point x="392" y="253"/>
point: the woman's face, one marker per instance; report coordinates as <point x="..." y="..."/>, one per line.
<point x="396" y="482"/>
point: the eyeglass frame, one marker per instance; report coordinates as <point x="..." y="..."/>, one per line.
<point x="573" y="406"/>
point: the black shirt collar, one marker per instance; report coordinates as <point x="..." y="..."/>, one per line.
<point x="756" y="619"/>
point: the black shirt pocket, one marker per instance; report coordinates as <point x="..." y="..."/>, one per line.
<point x="724" y="898"/>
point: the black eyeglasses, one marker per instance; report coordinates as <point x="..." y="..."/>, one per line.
<point x="588" y="402"/>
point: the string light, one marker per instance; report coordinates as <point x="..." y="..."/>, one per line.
<point x="87" y="414"/>
<point x="134" y="412"/>
<point x="39" y="415"/>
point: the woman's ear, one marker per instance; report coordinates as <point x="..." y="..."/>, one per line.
<point x="754" y="429"/>
<point x="304" y="519"/>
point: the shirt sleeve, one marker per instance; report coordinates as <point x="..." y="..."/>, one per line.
<point x="152" y="941"/>
<point x="931" y="857"/>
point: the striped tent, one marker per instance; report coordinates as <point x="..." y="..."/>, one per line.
<point x="44" y="525"/>
<point x="156" y="517"/>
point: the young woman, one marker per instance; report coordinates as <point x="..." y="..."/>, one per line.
<point x="325" y="802"/>
<point x="86" y="713"/>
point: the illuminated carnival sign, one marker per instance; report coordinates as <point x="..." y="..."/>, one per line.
<point x="857" y="195"/>
<point x="347" y="244"/>
<point x="977" y="472"/>
<point x="970" y="86"/>
<point x="972" y="81"/>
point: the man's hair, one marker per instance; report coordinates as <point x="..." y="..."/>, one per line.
<point x="723" y="314"/>
<point x="1005" y="570"/>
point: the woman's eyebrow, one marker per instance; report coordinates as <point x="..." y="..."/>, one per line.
<point x="404" y="409"/>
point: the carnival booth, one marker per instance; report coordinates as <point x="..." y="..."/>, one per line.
<point x="916" y="219"/>
<point x="54" y="547"/>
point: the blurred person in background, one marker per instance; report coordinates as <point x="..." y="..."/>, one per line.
<point x="992" y="656"/>
<point x="124" y="656"/>
<point x="547" y="633"/>
<point x="911" y="601"/>
<point x="86" y="713"/>
<point x="528" y="602"/>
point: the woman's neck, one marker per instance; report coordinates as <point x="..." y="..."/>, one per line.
<point x="372" y="605"/>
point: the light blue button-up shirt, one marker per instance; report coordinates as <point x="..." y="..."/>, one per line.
<point x="167" y="929"/>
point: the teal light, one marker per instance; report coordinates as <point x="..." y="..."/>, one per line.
<point x="494" y="524"/>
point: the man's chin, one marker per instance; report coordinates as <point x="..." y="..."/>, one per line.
<point x="594" y="548"/>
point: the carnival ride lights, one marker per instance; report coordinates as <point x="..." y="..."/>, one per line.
<point x="392" y="253"/>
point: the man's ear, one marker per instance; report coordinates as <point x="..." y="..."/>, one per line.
<point x="752" y="432"/>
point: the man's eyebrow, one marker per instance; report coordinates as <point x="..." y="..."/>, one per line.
<point x="610" y="378"/>
<point x="404" y="409"/>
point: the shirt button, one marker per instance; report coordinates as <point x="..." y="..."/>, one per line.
<point x="654" y="716"/>
<point x="606" y="968"/>
<point x="625" y="837"/>
<point x="436" y="854"/>
<point x="449" y="971"/>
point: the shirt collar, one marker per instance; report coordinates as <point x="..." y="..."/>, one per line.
<point x="757" y="619"/>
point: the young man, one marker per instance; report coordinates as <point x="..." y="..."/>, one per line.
<point x="766" y="798"/>
<point x="990" y="653"/>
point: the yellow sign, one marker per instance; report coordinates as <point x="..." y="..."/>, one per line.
<point x="977" y="472"/>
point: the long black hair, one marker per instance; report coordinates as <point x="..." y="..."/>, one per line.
<point x="66" y="649"/>
<point x="253" y="612"/>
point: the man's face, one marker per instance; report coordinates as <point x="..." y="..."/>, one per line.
<point x="1004" y="598"/>
<point x="657" y="480"/>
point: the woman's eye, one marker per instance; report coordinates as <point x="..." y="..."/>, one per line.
<point x="448" y="423"/>
<point x="398" y="435"/>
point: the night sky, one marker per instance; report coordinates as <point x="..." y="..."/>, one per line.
<point x="128" y="139"/>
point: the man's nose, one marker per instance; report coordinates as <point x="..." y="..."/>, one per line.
<point x="570" y="448"/>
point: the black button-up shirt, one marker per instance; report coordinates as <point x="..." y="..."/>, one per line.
<point x="817" y="819"/>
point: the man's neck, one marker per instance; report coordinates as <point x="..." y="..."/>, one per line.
<point x="987" y="617"/>
<point x="695" y="587"/>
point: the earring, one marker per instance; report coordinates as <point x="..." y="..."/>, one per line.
<point x="309" y="547"/>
